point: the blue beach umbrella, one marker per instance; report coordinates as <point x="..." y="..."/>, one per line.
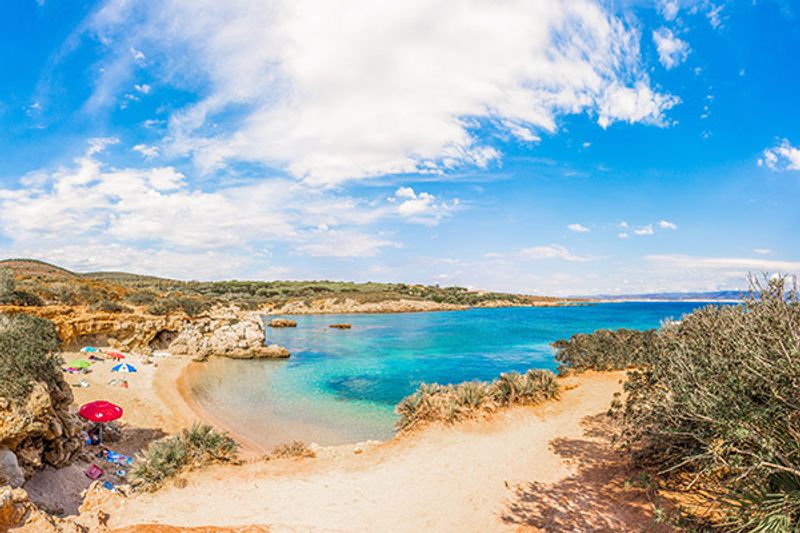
<point x="124" y="367"/>
<point x="89" y="349"/>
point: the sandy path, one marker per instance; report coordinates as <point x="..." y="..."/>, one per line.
<point x="471" y="477"/>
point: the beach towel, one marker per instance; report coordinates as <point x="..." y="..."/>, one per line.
<point x="94" y="472"/>
<point x="117" y="458"/>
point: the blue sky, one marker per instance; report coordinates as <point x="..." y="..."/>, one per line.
<point x="552" y="147"/>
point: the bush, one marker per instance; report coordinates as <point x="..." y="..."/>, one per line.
<point x="27" y="355"/>
<point x="163" y="306"/>
<point x="27" y="299"/>
<point x="195" y="447"/>
<point x="141" y="298"/>
<point x="110" y="307"/>
<point x="296" y="448"/>
<point x="191" y="306"/>
<point x="604" y="350"/>
<point x="714" y="406"/>
<point x="453" y="403"/>
<point x="8" y="282"/>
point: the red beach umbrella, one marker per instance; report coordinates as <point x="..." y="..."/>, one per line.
<point x="116" y="355"/>
<point x="100" y="411"/>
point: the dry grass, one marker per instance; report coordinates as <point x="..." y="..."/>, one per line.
<point x="453" y="403"/>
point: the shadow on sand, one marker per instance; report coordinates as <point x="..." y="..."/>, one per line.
<point x="59" y="491"/>
<point x="599" y="496"/>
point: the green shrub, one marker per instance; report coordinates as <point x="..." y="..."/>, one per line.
<point x="8" y="282"/>
<point x="163" y="306"/>
<point x="453" y="403"/>
<point x="109" y="306"/>
<point x="27" y="299"/>
<point x="603" y="350"/>
<point x="141" y="297"/>
<point x="195" y="447"/>
<point x="27" y="355"/>
<point x="713" y="404"/>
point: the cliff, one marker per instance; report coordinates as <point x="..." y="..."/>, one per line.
<point x="223" y="331"/>
<point x="39" y="430"/>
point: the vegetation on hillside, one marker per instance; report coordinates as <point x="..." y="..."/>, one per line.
<point x="27" y="355"/>
<point x="452" y="403"/>
<point x="712" y="403"/>
<point x="114" y="291"/>
<point x="192" y="448"/>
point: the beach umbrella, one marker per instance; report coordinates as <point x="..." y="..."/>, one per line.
<point x="89" y="349"/>
<point x="116" y="355"/>
<point x="100" y="412"/>
<point x="79" y="363"/>
<point x="124" y="367"/>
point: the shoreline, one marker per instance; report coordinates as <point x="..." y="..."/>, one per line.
<point x="248" y="448"/>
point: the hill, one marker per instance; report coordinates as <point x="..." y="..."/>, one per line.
<point x="123" y="291"/>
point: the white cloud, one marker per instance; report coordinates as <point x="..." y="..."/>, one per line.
<point x="644" y="230"/>
<point x="739" y="266"/>
<point x="421" y="207"/>
<point x="672" y="51"/>
<point x="343" y="244"/>
<point x="783" y="156"/>
<point x="146" y="151"/>
<point x="762" y="251"/>
<point x="622" y="235"/>
<point x="623" y="225"/>
<point x="579" y="228"/>
<point x="142" y="88"/>
<point x="74" y="213"/>
<point x="352" y="89"/>
<point x="714" y="15"/>
<point x="665" y="224"/>
<point x="668" y="8"/>
<point x="553" y="251"/>
<point x="633" y="104"/>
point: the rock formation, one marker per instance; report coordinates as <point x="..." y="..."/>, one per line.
<point x="14" y="507"/>
<point x="40" y="430"/>
<point x="341" y="326"/>
<point x="223" y="331"/>
<point x="282" y="323"/>
<point x="234" y="335"/>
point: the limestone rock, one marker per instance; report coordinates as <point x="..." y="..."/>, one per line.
<point x="240" y="336"/>
<point x="10" y="472"/>
<point x="341" y="326"/>
<point x="14" y="507"/>
<point x="41" y="429"/>
<point x="282" y="323"/>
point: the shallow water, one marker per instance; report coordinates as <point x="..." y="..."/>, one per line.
<point x="341" y="386"/>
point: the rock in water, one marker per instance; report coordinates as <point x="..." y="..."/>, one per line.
<point x="341" y="326"/>
<point x="282" y="323"/>
<point x="238" y="337"/>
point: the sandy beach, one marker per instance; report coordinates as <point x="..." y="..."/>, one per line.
<point x="547" y="467"/>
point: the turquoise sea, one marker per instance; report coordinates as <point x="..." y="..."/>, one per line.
<point x="341" y="386"/>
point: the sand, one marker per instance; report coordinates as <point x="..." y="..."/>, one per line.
<point x="547" y="467"/>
